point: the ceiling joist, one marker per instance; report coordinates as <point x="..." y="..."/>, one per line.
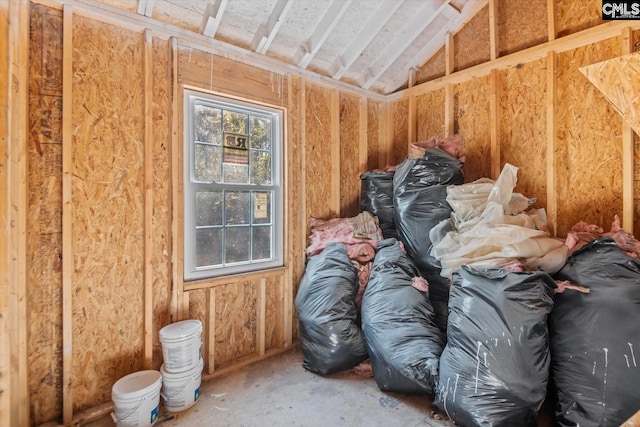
<point x="145" y="7"/>
<point x="373" y="26"/>
<point x="212" y="17"/>
<point x="322" y="31"/>
<point x="420" y="21"/>
<point x="265" y="34"/>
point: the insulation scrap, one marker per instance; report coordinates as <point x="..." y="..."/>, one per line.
<point x="362" y="228"/>
<point x="420" y="284"/>
<point x="582" y="233"/>
<point x="563" y="285"/>
<point x="363" y="369"/>
<point x="451" y="144"/>
<point x="361" y="252"/>
<point x="364" y="271"/>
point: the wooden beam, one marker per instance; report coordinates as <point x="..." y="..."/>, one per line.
<point x="334" y="12"/>
<point x="212" y="17"/>
<point x="335" y="153"/>
<point x="420" y="20"/>
<point x="145" y="7"/>
<point x="292" y="229"/>
<point x="389" y="134"/>
<point x="494" y="105"/>
<point x="551" y="19"/>
<point x="449" y="55"/>
<point x="148" y="200"/>
<point x="261" y="316"/>
<point x="628" y="154"/>
<point x="412" y="122"/>
<point x="359" y="43"/>
<point x="566" y="43"/>
<point x="177" y="233"/>
<point x="210" y="330"/>
<point x="267" y="32"/>
<point x="552" y="204"/>
<point x="493" y="29"/>
<point x="363" y="123"/>
<point x="16" y="115"/>
<point x="449" y="116"/>
<point x="6" y="310"/>
<point x="303" y="165"/>
<point x="67" y="215"/>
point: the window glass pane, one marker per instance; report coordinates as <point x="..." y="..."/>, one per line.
<point x="237" y="244"/>
<point x="207" y="163"/>
<point x="238" y="204"/>
<point x="207" y="124"/>
<point x="261" y="245"/>
<point x="260" y="137"/>
<point x="208" y="208"/>
<point x="235" y="122"/>
<point x="236" y="174"/>
<point x="260" y="162"/>
<point x="262" y="207"/>
<point x="208" y="247"/>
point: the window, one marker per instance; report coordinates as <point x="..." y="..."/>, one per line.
<point x="232" y="186"/>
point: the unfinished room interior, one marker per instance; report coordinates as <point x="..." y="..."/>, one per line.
<point x="319" y="213"/>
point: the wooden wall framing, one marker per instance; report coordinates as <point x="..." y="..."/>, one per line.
<point x="105" y="204"/>
<point x="526" y="104"/>
<point x="102" y="237"/>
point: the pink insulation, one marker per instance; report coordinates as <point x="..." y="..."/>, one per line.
<point x="582" y="233"/>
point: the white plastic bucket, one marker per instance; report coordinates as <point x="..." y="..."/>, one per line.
<point x="181" y="343"/>
<point x="181" y="391"/>
<point x="136" y="399"/>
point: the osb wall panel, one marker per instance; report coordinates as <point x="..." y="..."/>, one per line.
<point x="433" y="68"/>
<point x="523" y="138"/>
<point x="349" y="155"/>
<point x="576" y="15"/>
<point x="520" y="26"/>
<point x="636" y="139"/>
<point x="217" y="73"/>
<point x="44" y="222"/>
<point x="473" y="122"/>
<point x="318" y="151"/>
<point x="588" y="143"/>
<point x="399" y="117"/>
<point x="274" y="313"/>
<point x="235" y="320"/>
<point x="430" y="115"/>
<point x="471" y="45"/>
<point x="161" y="224"/>
<point x="373" y="135"/>
<point x="108" y="208"/>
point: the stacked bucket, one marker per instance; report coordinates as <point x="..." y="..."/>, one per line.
<point x="182" y="367"/>
<point x="136" y="397"/>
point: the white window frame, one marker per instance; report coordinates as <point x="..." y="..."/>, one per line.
<point x="190" y="187"/>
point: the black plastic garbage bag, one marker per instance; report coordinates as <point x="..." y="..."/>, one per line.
<point x="595" y="338"/>
<point x="495" y="367"/>
<point x="376" y="197"/>
<point x="330" y="333"/>
<point x="420" y="203"/>
<point x="398" y="323"/>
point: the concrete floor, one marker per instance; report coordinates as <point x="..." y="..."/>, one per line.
<point x="280" y="392"/>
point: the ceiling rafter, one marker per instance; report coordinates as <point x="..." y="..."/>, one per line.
<point x="266" y="33"/>
<point x="359" y="43"/>
<point x="328" y="22"/>
<point x="145" y="7"/>
<point x="212" y="17"/>
<point x="456" y="19"/>
<point x="412" y="30"/>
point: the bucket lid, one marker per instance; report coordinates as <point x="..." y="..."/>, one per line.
<point x="181" y="329"/>
<point x="137" y="384"/>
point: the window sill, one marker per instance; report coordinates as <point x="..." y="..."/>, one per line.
<point x="235" y="278"/>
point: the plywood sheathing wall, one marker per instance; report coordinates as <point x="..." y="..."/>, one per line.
<point x="576" y="15"/>
<point x="431" y="121"/>
<point x="471" y="45"/>
<point x="589" y="143"/>
<point x="398" y="121"/>
<point x="349" y="155"/>
<point x="516" y="17"/>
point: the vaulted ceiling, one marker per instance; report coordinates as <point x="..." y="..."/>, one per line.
<point x="372" y="44"/>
